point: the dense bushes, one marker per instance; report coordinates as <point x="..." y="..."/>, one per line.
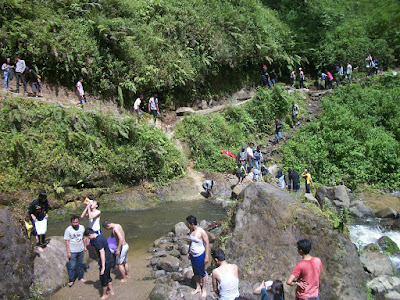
<point x="47" y="145"/>
<point x="207" y="135"/>
<point x="178" y="47"/>
<point x="356" y="138"/>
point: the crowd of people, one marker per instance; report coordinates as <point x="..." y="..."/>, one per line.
<point x="19" y="71"/>
<point x="225" y="277"/>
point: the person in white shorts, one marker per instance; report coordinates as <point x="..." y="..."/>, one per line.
<point x="122" y="248"/>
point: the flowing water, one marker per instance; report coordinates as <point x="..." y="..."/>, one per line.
<point x="141" y="229"/>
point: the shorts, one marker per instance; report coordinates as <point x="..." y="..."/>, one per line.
<point x="123" y="256"/>
<point x="198" y="264"/>
<point x="81" y="100"/>
<point x="240" y="175"/>
<point x="105" y="279"/>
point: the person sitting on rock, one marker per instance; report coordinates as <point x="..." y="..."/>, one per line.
<point x="306" y="274"/>
<point x="270" y="290"/>
<point x="199" y="248"/>
<point x="225" y="278"/>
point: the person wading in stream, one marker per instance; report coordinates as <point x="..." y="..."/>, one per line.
<point x="199" y="248"/>
<point x="106" y="261"/>
<point x="121" y="252"/>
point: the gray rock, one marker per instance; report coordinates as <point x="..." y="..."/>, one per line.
<point x="177" y="276"/>
<point x="154" y="261"/>
<point x="387" y="212"/>
<point x="383" y="284"/>
<point x="161" y="253"/>
<point x="184" y="111"/>
<point x="184" y="249"/>
<point x="181" y="229"/>
<point x="159" y="273"/>
<point x="169" y="264"/>
<point x="396" y="225"/>
<point x="160" y="241"/>
<point x="393" y="295"/>
<point x="336" y="195"/>
<point x="359" y="210"/>
<point x="185" y="263"/>
<point x="188" y="273"/>
<point x="174" y="253"/>
<point x="203" y="224"/>
<point x="376" y="263"/>
<point x="268" y="218"/>
<point x="163" y="291"/>
<point x="311" y="198"/>
<point x="171" y="234"/>
<point x="203" y="104"/>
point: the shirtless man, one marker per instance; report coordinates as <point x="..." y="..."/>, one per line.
<point x="199" y="248"/>
<point x="122" y="248"/>
<point x="225" y="278"/>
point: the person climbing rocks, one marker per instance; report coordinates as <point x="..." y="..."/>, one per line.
<point x="38" y="210"/>
<point x="75" y="243"/>
<point x="153" y="107"/>
<point x="199" y="248"/>
<point x="208" y="186"/>
<point x="295" y="113"/>
<point x="307" y="176"/>
<point x="225" y="278"/>
<point x="306" y="274"/>
<point x="80" y="91"/>
<point x="278" y="131"/>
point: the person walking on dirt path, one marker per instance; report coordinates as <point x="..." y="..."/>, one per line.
<point x="309" y="183"/>
<point x="199" y="247"/>
<point x="38" y="210"/>
<point x="293" y="181"/>
<point x="20" y="67"/>
<point x="80" y="92"/>
<point x="272" y="75"/>
<point x="295" y="113"/>
<point x="368" y="64"/>
<point x="121" y="252"/>
<point x="225" y="278"/>
<point x="153" y="107"/>
<point x="136" y="106"/>
<point x="250" y="156"/>
<point x="306" y="274"/>
<point x="106" y="261"/>
<point x="349" y="71"/>
<point x="339" y="74"/>
<point x="278" y="131"/>
<point x="75" y="243"/>
<point x="330" y="79"/>
<point x="301" y="77"/>
<point x="7" y="69"/>
<point x="265" y="78"/>
<point x="293" y="77"/>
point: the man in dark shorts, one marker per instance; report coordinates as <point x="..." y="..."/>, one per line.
<point x="106" y="261"/>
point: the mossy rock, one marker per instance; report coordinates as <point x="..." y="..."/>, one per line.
<point x="371" y="247"/>
<point x="388" y="246"/>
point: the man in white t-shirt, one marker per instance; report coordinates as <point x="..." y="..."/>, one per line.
<point x="153" y="107"/>
<point x="80" y="91"/>
<point x="136" y="106"/>
<point x="75" y="243"/>
<point x="349" y="70"/>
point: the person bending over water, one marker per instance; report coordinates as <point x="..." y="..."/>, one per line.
<point x="199" y="248"/>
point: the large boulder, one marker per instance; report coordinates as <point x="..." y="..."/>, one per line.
<point x="184" y="111"/>
<point x="16" y="259"/>
<point x="388" y="245"/>
<point x="359" y="210"/>
<point x="384" y="283"/>
<point x="181" y="229"/>
<point x="267" y="225"/>
<point x="376" y="263"/>
<point x="336" y="195"/>
<point x="387" y="212"/>
<point x="168" y="263"/>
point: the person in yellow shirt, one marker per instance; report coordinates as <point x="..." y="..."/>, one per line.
<point x="307" y="176"/>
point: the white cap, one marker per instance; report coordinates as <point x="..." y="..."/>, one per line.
<point x="268" y="284"/>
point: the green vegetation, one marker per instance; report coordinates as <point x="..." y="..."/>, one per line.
<point x="53" y="147"/>
<point x="180" y="48"/>
<point x="207" y="135"/>
<point x="356" y="138"/>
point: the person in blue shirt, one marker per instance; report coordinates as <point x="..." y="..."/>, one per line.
<point x="270" y="290"/>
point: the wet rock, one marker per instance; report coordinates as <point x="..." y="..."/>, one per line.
<point x="221" y="202"/>
<point x="268" y="218"/>
<point x="181" y="229"/>
<point x="163" y="291"/>
<point x="396" y="225"/>
<point x="16" y="259"/>
<point x="384" y="283"/>
<point x="181" y="111"/>
<point x="169" y="264"/>
<point x="388" y="246"/>
<point x="376" y="263"/>
<point x="359" y="210"/>
<point x="387" y="212"/>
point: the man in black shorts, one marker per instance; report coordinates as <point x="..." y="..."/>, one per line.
<point x="106" y="261"/>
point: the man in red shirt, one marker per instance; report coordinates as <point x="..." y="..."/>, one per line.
<point x="306" y="273"/>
